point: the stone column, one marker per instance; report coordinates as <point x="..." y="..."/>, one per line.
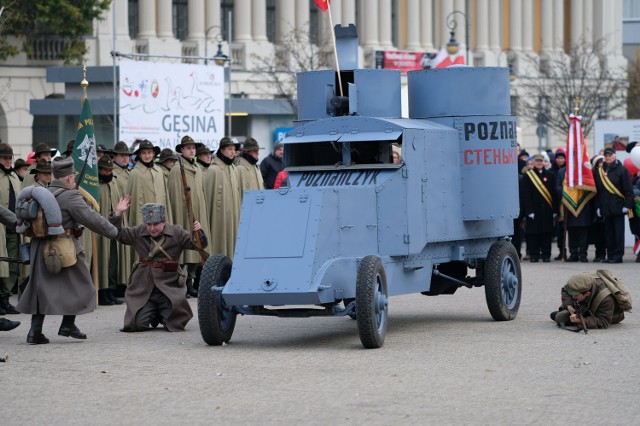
<point x="195" y="17"/>
<point x="384" y="17"/>
<point x="371" y="24"/>
<point x="546" y="27"/>
<point x="165" y="21"/>
<point x="285" y="19"/>
<point x="588" y="21"/>
<point x="577" y="15"/>
<point x="426" y="20"/>
<point x="482" y="25"/>
<point x="147" y="18"/>
<point x="259" y="20"/>
<point x="213" y="14"/>
<point x="495" y="21"/>
<point x="122" y="18"/>
<point x="558" y="26"/>
<point x="413" y="24"/>
<point x="349" y="13"/>
<point x="242" y="21"/>
<point x="446" y="9"/>
<point x="527" y="25"/>
<point x="515" y="24"/>
<point x="302" y="15"/>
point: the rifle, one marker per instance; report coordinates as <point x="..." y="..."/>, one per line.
<point x="13" y="260"/>
<point x="580" y="311"/>
<point x="187" y="198"/>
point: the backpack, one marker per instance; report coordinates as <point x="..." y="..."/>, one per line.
<point x="38" y="213"/>
<point x="616" y="287"/>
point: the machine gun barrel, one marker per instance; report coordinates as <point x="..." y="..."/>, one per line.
<point x="13" y="260"/>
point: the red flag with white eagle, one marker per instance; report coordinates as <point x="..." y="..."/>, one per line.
<point x="322" y="4"/>
<point x="578" y="186"/>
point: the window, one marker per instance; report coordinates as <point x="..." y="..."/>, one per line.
<point x="134" y="27"/>
<point x="314" y="25"/>
<point x="271" y="20"/>
<point x="180" y="19"/>
<point x="226" y="6"/>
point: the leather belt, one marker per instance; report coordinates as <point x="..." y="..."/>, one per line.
<point x="152" y="264"/>
<point x="76" y="232"/>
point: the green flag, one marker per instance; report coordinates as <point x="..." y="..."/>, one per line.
<point x="84" y="157"/>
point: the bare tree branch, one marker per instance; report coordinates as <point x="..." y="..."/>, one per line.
<point x="296" y="53"/>
<point x="584" y="73"/>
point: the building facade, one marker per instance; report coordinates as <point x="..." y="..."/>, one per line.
<point x="498" y="33"/>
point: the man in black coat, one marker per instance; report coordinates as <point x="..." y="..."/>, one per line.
<point x="272" y="165"/>
<point x="577" y="226"/>
<point x="539" y="205"/>
<point x="614" y="200"/>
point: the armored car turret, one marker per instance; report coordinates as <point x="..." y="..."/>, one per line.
<point x="353" y="228"/>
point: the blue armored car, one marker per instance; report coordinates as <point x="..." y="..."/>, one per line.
<point x="353" y="228"/>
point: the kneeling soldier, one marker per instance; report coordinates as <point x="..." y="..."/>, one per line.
<point x="156" y="291"/>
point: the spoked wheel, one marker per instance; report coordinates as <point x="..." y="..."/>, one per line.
<point x="371" y="302"/>
<point x="216" y="320"/>
<point x="502" y="281"/>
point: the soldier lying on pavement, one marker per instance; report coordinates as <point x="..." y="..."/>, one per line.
<point x="582" y="291"/>
<point x="156" y="291"/>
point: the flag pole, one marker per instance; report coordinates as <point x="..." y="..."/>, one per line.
<point x="335" y="49"/>
<point x="94" y="242"/>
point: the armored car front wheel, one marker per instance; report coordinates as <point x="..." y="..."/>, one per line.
<point x="502" y="281"/>
<point x="371" y="302"/>
<point x="216" y="320"/>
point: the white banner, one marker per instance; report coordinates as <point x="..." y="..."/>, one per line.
<point x="163" y="102"/>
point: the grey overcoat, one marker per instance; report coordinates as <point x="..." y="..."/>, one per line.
<point x="70" y="292"/>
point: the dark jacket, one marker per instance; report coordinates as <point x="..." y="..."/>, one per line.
<point x="608" y="203"/>
<point x="607" y="312"/>
<point x="585" y="217"/>
<point x="270" y="167"/>
<point x="533" y="202"/>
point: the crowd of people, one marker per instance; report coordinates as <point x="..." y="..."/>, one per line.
<point x="601" y="222"/>
<point x="143" y="228"/>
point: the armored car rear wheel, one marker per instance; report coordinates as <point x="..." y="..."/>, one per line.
<point x="216" y="320"/>
<point x="371" y="302"/>
<point x="502" y="281"/>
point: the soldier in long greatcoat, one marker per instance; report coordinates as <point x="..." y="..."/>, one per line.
<point x="42" y="151"/>
<point x="9" y="238"/>
<point x="166" y="161"/>
<point x="121" y="156"/>
<point x="113" y="260"/>
<point x="249" y="172"/>
<point x="69" y="292"/>
<point x="539" y="205"/>
<point x="156" y="292"/>
<point x="223" y="199"/>
<point x="194" y="177"/>
<point x="146" y="183"/>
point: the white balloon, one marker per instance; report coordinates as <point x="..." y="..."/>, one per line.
<point x="635" y="156"/>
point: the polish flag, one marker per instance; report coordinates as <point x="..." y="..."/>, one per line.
<point x="444" y="60"/>
<point x="636" y="248"/>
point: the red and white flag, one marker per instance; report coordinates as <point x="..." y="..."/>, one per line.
<point x="636" y="248"/>
<point x="322" y="4"/>
<point x="578" y="186"/>
<point x="444" y="60"/>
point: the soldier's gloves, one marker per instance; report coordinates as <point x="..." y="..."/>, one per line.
<point x="598" y="213"/>
<point x="532" y="215"/>
<point x="625" y="210"/>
